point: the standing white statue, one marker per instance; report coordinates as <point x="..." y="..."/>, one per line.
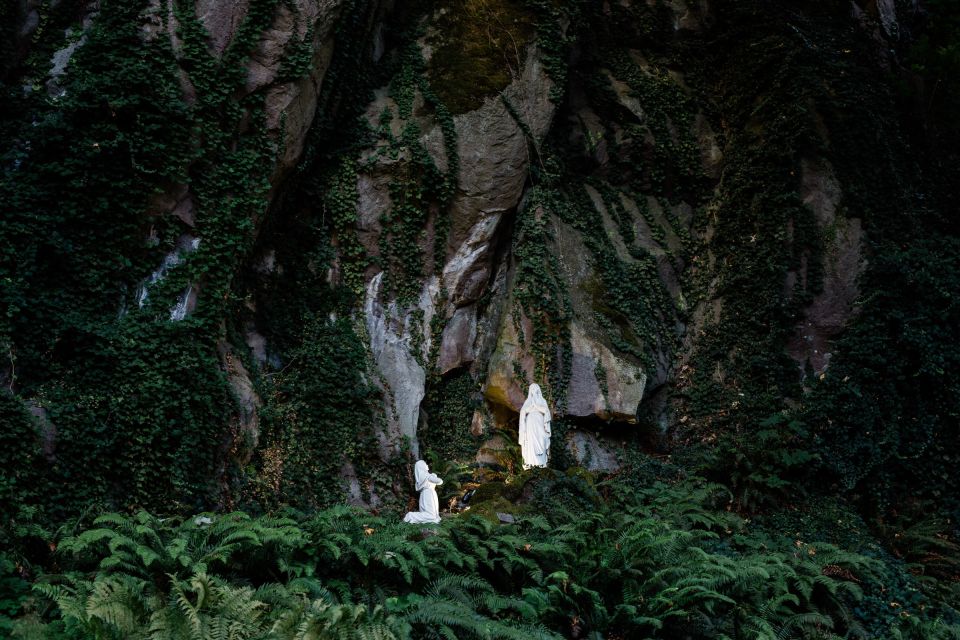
<point x="429" y="503"/>
<point x="534" y="429"/>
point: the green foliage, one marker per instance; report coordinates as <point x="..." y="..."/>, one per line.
<point x="318" y="410"/>
<point x="13" y="593"/>
<point x="628" y="297"/>
<point x="419" y="190"/>
<point x="763" y="465"/>
<point x="661" y="561"/>
<point x="740" y="372"/>
<point x="143" y="410"/>
<point x="318" y="405"/>
<point x="450" y="406"/>
<point x="140" y="404"/>
<point x="542" y="297"/>
<point x="886" y="410"/>
<point x="566" y="494"/>
<point x="340" y="200"/>
<point x="673" y="165"/>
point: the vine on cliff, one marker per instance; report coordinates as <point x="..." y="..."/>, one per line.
<point x="139" y="403"/>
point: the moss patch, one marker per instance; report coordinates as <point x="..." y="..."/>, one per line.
<point x="478" y="47"/>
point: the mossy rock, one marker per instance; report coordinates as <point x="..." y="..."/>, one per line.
<point x="583" y="473"/>
<point x="489" y="509"/>
<point x="494" y="490"/>
<point x="478" y="47"/>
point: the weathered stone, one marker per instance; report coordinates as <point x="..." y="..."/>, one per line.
<point x="289" y="106"/>
<point x="177" y="201"/>
<point x="351" y="485"/>
<point x="711" y="156"/>
<point x="626" y="98"/>
<point x="683" y="213"/>
<point x="221" y="20"/>
<point x="468" y="270"/>
<point x="169" y="17"/>
<point x="887" y="10"/>
<point x="502" y="386"/>
<point x="264" y="63"/>
<point x="29" y="24"/>
<point x="456" y="346"/>
<point x="602" y="384"/>
<point x="186" y="243"/>
<point x="185" y="210"/>
<point x="186" y="303"/>
<point x="591" y="452"/>
<point x="594" y="139"/>
<point x="61" y="57"/>
<point x="494" y="159"/>
<point x="479" y="424"/>
<point x="435" y="144"/>
<point x="488" y="322"/>
<point x="248" y="402"/>
<point x="167" y="199"/>
<point x="674" y="243"/>
<point x="506" y="518"/>
<point x="618" y="392"/>
<point x="843" y="262"/>
<point x="391" y="332"/>
<point x="613" y="233"/>
<point x="46" y="430"/>
<point x="257" y="343"/>
<point x="643" y="235"/>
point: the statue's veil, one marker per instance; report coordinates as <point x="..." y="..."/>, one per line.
<point x="420" y="474"/>
<point x="536" y="402"/>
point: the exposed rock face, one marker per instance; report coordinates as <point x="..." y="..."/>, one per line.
<point x="592" y="452"/>
<point x="494" y="157"/>
<point x="354" y="489"/>
<point x="888" y="17"/>
<point x="221" y="21"/>
<point x="247" y="401"/>
<point x="61" y="57"/>
<point x="843" y="262"/>
<point x="510" y="356"/>
<point x="46" y="430"/>
<point x="494" y="160"/>
<point x="456" y="348"/>
<point x="402" y="375"/>
<point x="290" y="103"/>
<point x="289" y="108"/>
<point x="601" y="384"/>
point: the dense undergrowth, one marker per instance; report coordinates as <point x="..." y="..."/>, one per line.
<point x="584" y="559"/>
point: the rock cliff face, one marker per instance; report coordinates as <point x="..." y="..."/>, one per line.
<point x="375" y="226"/>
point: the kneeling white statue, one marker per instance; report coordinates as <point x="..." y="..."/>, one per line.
<point x="429" y="503"/>
<point x="535" y="429"/>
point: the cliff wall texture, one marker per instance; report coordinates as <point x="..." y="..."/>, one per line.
<point x="270" y="252"/>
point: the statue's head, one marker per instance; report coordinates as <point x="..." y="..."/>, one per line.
<point x="535" y="393"/>
<point x="420" y="473"/>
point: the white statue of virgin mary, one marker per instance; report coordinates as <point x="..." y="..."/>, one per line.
<point x="429" y="503"/>
<point x="534" y="429"/>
